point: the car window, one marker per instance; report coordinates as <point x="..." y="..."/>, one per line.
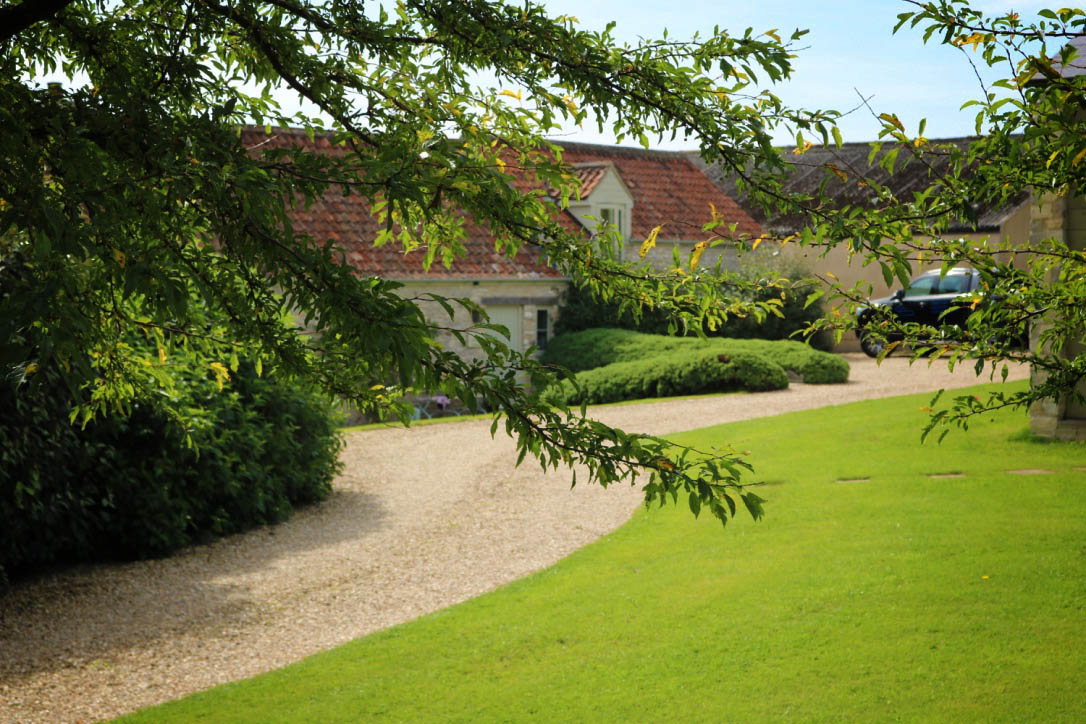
<point x="922" y="286"/>
<point x="954" y="284"/>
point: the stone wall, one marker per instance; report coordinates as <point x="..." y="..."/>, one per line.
<point x="514" y="304"/>
<point x="1063" y="219"/>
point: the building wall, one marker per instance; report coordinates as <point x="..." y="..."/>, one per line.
<point x="661" y="255"/>
<point x="520" y="298"/>
<point x="850" y="270"/>
<point x="1057" y="217"/>
<point x="609" y="192"/>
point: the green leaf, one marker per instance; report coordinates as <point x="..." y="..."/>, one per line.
<point x="695" y="503"/>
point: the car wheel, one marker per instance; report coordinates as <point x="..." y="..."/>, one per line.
<point x="871" y="345"/>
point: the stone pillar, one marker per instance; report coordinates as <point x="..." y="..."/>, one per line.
<point x="1063" y="219"/>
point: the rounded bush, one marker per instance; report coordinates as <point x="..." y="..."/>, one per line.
<point x="592" y="348"/>
<point x="825" y="370"/>
<point x="132" y="486"/>
<point x="686" y="373"/>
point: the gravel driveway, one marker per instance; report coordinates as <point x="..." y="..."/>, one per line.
<point x="419" y="520"/>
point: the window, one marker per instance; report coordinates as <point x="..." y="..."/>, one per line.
<point x="542" y="328"/>
<point x="922" y="287"/>
<point x="611" y="220"/>
<point x="954" y="284"/>
<point x="610" y="216"/>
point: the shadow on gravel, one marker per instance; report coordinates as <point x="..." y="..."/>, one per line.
<point x="77" y="616"/>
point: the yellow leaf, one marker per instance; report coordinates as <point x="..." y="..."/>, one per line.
<point x="649" y="242"/>
<point x="893" y="121"/>
<point x="920" y="142"/>
<point x="221" y="373"/>
<point x="758" y="241"/>
<point x="161" y="355"/>
<point x="974" y="39"/>
<point x="695" y="255"/>
<point x="800" y="150"/>
<point x="120" y="257"/>
<point x="1078" y="157"/>
<point x="1052" y="158"/>
<point x="511" y="94"/>
<point x="836" y="171"/>
<point x="787" y="239"/>
<point x="30" y="369"/>
<point x="712" y="210"/>
<point x="773" y="34"/>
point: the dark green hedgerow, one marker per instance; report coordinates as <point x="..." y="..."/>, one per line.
<point x="687" y="372"/>
<point x="580" y="310"/>
<point x="128" y="487"/>
<point x="592" y="348"/>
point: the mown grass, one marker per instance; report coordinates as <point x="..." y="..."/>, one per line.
<point x="904" y="597"/>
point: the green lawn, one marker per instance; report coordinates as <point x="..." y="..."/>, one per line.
<point x="903" y="597"/>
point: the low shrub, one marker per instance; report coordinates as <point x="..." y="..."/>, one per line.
<point x="127" y="487"/>
<point x="592" y="348"/>
<point x="688" y="372"/>
<point x="770" y="279"/>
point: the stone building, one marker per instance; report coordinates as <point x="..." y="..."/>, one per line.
<point x="632" y="189"/>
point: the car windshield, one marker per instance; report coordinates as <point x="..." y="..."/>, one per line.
<point x="954" y="284"/>
<point x="922" y="286"/>
<point x="930" y="284"/>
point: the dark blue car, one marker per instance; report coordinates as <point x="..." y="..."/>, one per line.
<point x="933" y="298"/>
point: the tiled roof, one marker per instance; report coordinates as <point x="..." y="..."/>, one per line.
<point x="349" y="222"/>
<point x="667" y="189"/>
<point x="809" y="173"/>
<point x="590" y="174"/>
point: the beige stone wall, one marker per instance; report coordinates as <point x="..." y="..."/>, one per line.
<point x="1057" y="217"/>
<point x="502" y="298"/>
<point x="660" y="256"/>
<point x="851" y="270"/>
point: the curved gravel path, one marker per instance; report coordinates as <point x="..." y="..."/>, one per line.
<point x="419" y="520"/>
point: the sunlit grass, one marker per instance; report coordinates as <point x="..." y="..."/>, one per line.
<point x="903" y="596"/>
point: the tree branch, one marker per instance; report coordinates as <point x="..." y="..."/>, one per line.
<point x="17" y="18"/>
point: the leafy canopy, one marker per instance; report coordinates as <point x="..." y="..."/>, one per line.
<point x="131" y="188"/>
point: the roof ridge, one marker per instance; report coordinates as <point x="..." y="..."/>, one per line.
<point x="614" y="149"/>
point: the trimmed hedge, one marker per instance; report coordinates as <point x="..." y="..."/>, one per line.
<point x="130" y="487"/>
<point x="689" y="372"/>
<point x="593" y="348"/>
<point x="580" y="310"/>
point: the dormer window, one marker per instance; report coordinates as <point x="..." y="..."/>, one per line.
<point x="604" y="204"/>
<point x="612" y="216"/>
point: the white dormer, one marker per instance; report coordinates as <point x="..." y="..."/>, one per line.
<point x="604" y="198"/>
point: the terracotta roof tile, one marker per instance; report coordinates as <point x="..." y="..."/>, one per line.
<point x="349" y="222"/>
<point x="590" y="174"/>
<point x="667" y="188"/>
